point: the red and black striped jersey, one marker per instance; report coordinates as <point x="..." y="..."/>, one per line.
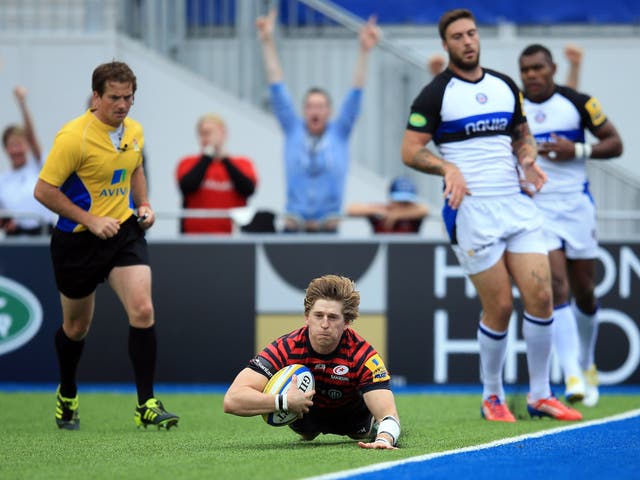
<point x="341" y="377"/>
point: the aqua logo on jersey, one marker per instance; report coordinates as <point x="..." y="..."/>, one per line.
<point x="20" y="315"/>
<point x="119" y="176"/>
<point x="497" y="122"/>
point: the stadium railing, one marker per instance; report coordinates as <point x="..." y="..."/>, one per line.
<point x="243" y="216"/>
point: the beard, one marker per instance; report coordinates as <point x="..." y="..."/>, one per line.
<point x="462" y="64"/>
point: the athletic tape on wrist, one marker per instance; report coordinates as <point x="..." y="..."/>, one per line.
<point x="391" y="426"/>
<point x="583" y="150"/>
<point x="285" y="402"/>
<point x="278" y="402"/>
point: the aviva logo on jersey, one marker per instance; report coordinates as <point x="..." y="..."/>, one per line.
<point x="20" y="315"/>
<point x="119" y="176"/>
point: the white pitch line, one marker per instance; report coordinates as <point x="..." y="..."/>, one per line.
<point x="496" y="443"/>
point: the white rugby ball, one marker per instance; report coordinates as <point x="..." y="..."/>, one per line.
<point x="280" y="384"/>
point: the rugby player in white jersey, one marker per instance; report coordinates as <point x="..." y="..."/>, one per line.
<point x="559" y="117"/>
<point x="474" y="116"/>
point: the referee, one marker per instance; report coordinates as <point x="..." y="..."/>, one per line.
<point x="91" y="178"/>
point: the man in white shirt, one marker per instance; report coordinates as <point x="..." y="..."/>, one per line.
<point x="28" y="216"/>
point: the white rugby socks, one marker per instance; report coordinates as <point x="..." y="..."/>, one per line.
<point x="587" y="325"/>
<point x="538" y="334"/>
<point x="493" y="350"/>
<point x="565" y="341"/>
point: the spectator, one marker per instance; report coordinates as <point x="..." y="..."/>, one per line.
<point x="316" y="149"/>
<point x="352" y="395"/>
<point x="573" y="53"/>
<point x="212" y="179"/>
<point x="16" y="185"/>
<point x="560" y="118"/>
<point x="402" y="214"/>
<point x="474" y="116"/>
<point x="436" y="64"/>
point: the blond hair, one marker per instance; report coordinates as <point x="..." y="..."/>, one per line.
<point x="334" y="287"/>
<point x="211" y="117"/>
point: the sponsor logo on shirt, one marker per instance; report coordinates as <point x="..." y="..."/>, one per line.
<point x="377" y="368"/>
<point x="119" y="176"/>
<point x="217" y="185"/>
<point x="486" y="125"/>
<point x="340" y="369"/>
<point x="334" y="394"/>
<point x="417" y="120"/>
<point x="114" y="192"/>
<point x="594" y="109"/>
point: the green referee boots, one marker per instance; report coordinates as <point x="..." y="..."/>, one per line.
<point x="153" y="413"/>
<point x="67" y="412"/>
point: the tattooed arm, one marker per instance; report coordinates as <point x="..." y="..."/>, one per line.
<point x="524" y="146"/>
<point x="419" y="157"/>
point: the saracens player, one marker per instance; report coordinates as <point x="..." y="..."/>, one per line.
<point x="352" y="396"/>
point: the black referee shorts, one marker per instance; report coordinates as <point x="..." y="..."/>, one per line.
<point x="81" y="260"/>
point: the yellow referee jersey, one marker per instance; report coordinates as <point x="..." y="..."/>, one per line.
<point x="91" y="171"/>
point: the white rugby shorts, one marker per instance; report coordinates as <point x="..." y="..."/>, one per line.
<point x="486" y="227"/>
<point x="569" y="223"/>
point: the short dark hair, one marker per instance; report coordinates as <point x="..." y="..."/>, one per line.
<point x="112" y="72"/>
<point x="319" y="90"/>
<point x="451" y="16"/>
<point x="537" y="48"/>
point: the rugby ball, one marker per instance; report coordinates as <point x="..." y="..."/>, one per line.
<point x="280" y="384"/>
